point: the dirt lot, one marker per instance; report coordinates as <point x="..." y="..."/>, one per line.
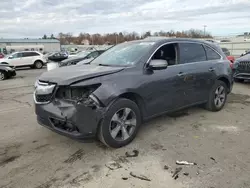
<point x="33" y="157"/>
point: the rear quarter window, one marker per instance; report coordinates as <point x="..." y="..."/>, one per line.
<point x="211" y="54"/>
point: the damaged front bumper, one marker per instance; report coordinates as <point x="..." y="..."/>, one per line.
<point x="70" y="118"/>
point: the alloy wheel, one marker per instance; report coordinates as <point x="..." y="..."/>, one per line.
<point x="2" y="76"/>
<point x="220" y="96"/>
<point x="122" y="124"/>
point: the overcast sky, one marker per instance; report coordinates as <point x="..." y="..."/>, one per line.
<point x="33" y="18"/>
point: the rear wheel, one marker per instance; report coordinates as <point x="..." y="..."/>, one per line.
<point x="38" y="64"/>
<point x="3" y="75"/>
<point x="120" y="124"/>
<point x="217" y="96"/>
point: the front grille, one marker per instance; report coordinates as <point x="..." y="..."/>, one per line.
<point x="244" y="66"/>
<point x="43" y="98"/>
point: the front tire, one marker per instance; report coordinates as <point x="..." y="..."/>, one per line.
<point x="120" y="124"/>
<point x="217" y="96"/>
<point x="3" y="75"/>
<point x="38" y="64"/>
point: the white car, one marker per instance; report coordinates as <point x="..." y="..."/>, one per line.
<point x="31" y="59"/>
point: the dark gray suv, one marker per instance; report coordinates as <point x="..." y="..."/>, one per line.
<point x="130" y="83"/>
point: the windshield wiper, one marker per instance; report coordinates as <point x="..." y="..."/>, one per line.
<point x="106" y="65"/>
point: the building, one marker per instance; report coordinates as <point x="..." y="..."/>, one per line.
<point x="42" y="45"/>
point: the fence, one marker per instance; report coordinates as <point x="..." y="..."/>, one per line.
<point x="236" y="48"/>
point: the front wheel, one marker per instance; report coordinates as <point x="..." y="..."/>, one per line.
<point x="120" y="124"/>
<point x="38" y="64"/>
<point x="3" y="75"/>
<point x="217" y="96"/>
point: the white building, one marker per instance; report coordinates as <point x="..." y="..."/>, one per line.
<point x="42" y="45"/>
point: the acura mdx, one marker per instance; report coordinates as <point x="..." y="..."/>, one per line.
<point x="130" y="83"/>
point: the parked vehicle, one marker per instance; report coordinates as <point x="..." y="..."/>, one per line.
<point x="246" y="52"/>
<point x="242" y="68"/>
<point x="87" y="56"/>
<point x="130" y="83"/>
<point x="25" y="59"/>
<point x="58" y="56"/>
<point x="37" y="48"/>
<point x="1" y="55"/>
<point x="6" y="71"/>
<point x="229" y="56"/>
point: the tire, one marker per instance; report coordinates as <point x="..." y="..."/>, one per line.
<point x="38" y="64"/>
<point x="3" y="75"/>
<point x="239" y="80"/>
<point x="213" y="104"/>
<point x="114" y="122"/>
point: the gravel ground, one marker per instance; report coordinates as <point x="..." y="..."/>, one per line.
<point x="33" y="157"/>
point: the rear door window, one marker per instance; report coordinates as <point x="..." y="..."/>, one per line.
<point x="211" y="54"/>
<point x="191" y="52"/>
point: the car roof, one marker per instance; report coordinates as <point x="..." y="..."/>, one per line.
<point x="162" y="40"/>
<point x="27" y="51"/>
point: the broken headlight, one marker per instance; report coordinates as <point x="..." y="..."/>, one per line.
<point x="79" y="94"/>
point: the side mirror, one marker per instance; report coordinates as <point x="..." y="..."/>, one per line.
<point x="158" y="64"/>
<point x="10" y="57"/>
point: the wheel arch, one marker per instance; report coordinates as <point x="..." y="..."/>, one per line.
<point x="136" y="98"/>
<point x="226" y="81"/>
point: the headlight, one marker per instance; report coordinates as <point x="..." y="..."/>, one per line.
<point x="8" y="68"/>
<point x="42" y="88"/>
<point x="79" y="94"/>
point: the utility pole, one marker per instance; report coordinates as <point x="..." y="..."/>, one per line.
<point x="204" y="29"/>
<point x="115" y="38"/>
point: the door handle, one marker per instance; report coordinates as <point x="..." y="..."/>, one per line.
<point x="211" y="69"/>
<point x="180" y="74"/>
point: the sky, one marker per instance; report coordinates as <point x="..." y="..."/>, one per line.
<point x="34" y="18"/>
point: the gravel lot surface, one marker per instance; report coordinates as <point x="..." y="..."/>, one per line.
<point x="33" y="157"/>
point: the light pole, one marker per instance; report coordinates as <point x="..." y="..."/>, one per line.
<point x="204" y="29"/>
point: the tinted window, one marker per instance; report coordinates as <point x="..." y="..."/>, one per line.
<point x="211" y="54"/>
<point x="191" y="52"/>
<point x="30" y="54"/>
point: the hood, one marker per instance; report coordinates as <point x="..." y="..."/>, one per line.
<point x="70" y="74"/>
<point x="244" y="58"/>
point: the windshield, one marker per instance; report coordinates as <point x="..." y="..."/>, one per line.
<point x="125" y="54"/>
<point x="83" y="54"/>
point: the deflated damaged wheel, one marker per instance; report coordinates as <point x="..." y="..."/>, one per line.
<point x="120" y="124"/>
<point x="217" y="97"/>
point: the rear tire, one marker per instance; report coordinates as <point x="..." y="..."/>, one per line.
<point x="120" y="123"/>
<point x="217" y="96"/>
<point x="38" y="64"/>
<point x="3" y="75"/>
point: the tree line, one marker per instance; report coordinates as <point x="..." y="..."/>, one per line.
<point x="115" y="38"/>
